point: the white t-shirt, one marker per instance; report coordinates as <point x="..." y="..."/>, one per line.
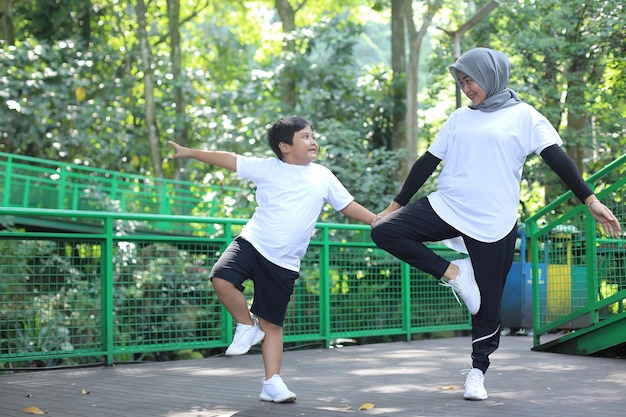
<point x="483" y="155"/>
<point x="290" y="198"/>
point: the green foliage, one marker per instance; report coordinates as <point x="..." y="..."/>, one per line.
<point x="42" y="284"/>
<point x="54" y="20"/>
<point x="347" y="107"/>
<point x="350" y="110"/>
<point x="68" y="103"/>
<point x="53" y="107"/>
<point x="163" y="293"/>
<point x="50" y="297"/>
<point x="366" y="172"/>
<point x="72" y="101"/>
<point x="53" y="293"/>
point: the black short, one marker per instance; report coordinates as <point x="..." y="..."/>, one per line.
<point x="273" y="284"/>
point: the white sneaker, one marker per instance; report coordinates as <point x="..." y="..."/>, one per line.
<point x="475" y="385"/>
<point x="245" y="337"/>
<point x="274" y="389"/>
<point x="465" y="286"/>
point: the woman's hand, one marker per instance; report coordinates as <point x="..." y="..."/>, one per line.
<point x="605" y="217"/>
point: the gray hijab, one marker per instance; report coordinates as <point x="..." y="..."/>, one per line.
<point x="491" y="70"/>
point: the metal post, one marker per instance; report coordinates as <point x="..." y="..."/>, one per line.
<point x="458" y="34"/>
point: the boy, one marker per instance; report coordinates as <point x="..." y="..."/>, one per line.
<point x="291" y="191"/>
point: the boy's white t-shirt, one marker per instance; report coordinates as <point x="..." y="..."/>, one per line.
<point x="290" y="198"/>
<point x="484" y="153"/>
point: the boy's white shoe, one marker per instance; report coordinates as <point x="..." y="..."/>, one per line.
<point x="245" y="337"/>
<point x="465" y="286"/>
<point x="475" y="385"/>
<point x="274" y="389"/>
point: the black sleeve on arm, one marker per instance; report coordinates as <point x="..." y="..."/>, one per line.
<point x="421" y="170"/>
<point x="564" y="167"/>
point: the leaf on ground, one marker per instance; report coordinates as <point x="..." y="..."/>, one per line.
<point x="33" y="410"/>
<point x="366" y="406"/>
<point x="450" y="387"/>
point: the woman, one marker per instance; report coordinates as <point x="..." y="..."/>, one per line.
<point x="484" y="147"/>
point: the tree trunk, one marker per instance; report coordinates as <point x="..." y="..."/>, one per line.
<point x="405" y="78"/>
<point x="288" y="79"/>
<point x="181" y="127"/>
<point x="7" y="29"/>
<point x="577" y="134"/>
<point x="416" y="38"/>
<point x="399" y="8"/>
<point x="84" y="9"/>
<point x="148" y="81"/>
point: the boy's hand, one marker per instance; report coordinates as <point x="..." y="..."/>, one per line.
<point x="180" y="151"/>
<point x="376" y="218"/>
<point x="393" y="206"/>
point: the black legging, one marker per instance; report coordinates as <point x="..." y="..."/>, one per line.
<point x="402" y="234"/>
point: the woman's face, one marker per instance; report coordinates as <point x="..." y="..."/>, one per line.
<point x="471" y="88"/>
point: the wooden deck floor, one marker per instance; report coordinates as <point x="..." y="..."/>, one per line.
<point x="403" y="379"/>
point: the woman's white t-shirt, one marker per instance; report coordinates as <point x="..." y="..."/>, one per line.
<point x="290" y="198"/>
<point x="484" y="154"/>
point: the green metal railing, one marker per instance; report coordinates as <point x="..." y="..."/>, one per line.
<point x="579" y="273"/>
<point x="116" y="294"/>
<point x="39" y="183"/>
<point x="107" y="267"/>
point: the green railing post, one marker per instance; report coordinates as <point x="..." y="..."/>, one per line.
<point x="114" y="181"/>
<point x="75" y="198"/>
<point x="164" y="206"/>
<point x="107" y="291"/>
<point x="7" y="182"/>
<point x="592" y="267"/>
<point x="406" y="298"/>
<point x="227" y="321"/>
<point x="26" y="194"/>
<point x="62" y="185"/>
<point x="531" y="233"/>
<point x="325" y="287"/>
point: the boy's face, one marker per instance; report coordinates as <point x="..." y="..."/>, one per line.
<point x="304" y="149"/>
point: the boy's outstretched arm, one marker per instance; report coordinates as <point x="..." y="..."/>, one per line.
<point x="222" y="159"/>
<point x="357" y="212"/>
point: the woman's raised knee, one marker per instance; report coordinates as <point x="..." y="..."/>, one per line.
<point x="380" y="235"/>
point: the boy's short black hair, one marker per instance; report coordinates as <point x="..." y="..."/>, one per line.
<point x="283" y="130"/>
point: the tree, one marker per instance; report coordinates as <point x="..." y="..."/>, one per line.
<point x="52" y="20"/>
<point x="181" y="125"/>
<point x="7" y="30"/>
<point x="406" y="70"/>
<point x="148" y="83"/>
<point x="287" y="15"/>
<point x="416" y="38"/>
<point x="401" y="15"/>
<point x="287" y="11"/>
